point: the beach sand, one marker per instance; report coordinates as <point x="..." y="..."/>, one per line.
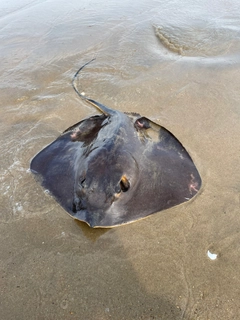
<point x="173" y="62"/>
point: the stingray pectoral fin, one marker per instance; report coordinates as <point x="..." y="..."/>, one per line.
<point x="177" y="179"/>
<point x="55" y="166"/>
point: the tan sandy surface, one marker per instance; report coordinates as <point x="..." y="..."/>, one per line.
<point x="175" y="62"/>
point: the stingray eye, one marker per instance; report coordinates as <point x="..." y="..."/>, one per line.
<point x="142" y="123"/>
<point x="124" y="184"/>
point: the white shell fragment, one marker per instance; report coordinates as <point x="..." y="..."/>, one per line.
<point x="212" y="256"/>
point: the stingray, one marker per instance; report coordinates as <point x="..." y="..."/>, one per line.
<point x="115" y="168"/>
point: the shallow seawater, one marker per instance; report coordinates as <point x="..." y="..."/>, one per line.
<point x="175" y="62"/>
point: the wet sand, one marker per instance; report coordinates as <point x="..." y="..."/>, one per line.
<point x="175" y="63"/>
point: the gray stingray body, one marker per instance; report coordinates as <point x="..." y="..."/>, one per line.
<point x="115" y="168"/>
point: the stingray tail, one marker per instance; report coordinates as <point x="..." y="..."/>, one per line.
<point x="107" y="111"/>
<point x="75" y="77"/>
